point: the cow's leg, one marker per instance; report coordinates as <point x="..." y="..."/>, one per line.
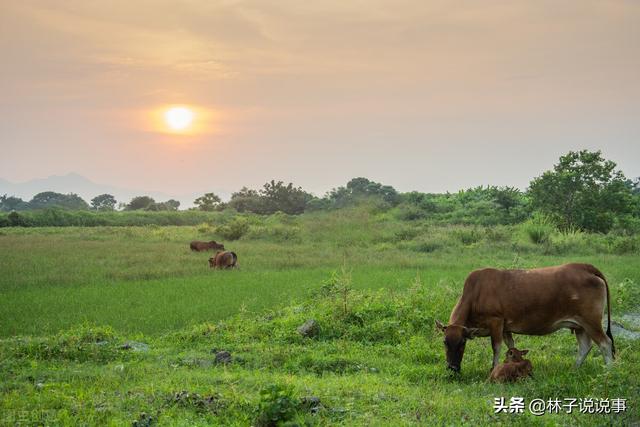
<point x="584" y="345"/>
<point x="508" y="339"/>
<point x="496" y="341"/>
<point x="598" y="336"/>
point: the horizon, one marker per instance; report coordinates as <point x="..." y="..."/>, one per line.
<point x="424" y="96"/>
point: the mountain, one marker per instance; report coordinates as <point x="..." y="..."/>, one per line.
<point x="87" y="189"/>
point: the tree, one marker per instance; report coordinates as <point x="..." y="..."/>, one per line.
<point x="583" y="190"/>
<point x="172" y="205"/>
<point x="104" y="202"/>
<point x="208" y="202"/>
<point x="246" y="200"/>
<point x="506" y="197"/>
<point x="286" y="198"/>
<point x="140" y="203"/>
<point x="359" y="188"/>
<point x="12" y="203"/>
<point x="49" y="199"/>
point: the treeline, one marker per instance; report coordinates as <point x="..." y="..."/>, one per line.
<point x="583" y="191"/>
<point x="71" y="201"/>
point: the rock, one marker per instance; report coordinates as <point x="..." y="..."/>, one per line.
<point x="196" y="401"/>
<point x="312" y="403"/>
<point x="224" y="357"/>
<point x="135" y="346"/>
<point x="143" y="421"/>
<point x="618" y="330"/>
<point x="309" y="329"/>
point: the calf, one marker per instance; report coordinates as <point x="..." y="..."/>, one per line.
<point x="225" y="259"/>
<point x="199" y="246"/>
<point x="513" y="368"/>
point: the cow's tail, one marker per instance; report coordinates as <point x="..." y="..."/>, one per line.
<point x="599" y="274"/>
<point x="235" y="258"/>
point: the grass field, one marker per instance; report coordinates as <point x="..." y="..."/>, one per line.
<point x="70" y="297"/>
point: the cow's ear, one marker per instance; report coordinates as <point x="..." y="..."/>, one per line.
<point x="471" y="333"/>
<point x="523" y="352"/>
<point x="442" y="327"/>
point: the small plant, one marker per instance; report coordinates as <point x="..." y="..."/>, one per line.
<point x="277" y="406"/>
<point x="539" y="229"/>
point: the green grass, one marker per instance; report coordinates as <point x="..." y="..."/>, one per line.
<point x="69" y="297"/>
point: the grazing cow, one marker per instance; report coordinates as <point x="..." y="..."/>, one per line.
<point x="223" y="260"/>
<point x="205" y="246"/>
<point x="513" y="368"/>
<point x="497" y="303"/>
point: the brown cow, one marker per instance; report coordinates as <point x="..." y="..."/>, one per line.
<point x="513" y="368"/>
<point x="497" y="303"/>
<point x="223" y="260"/>
<point x="199" y="246"/>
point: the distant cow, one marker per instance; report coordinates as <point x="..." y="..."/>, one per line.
<point x="497" y="303"/>
<point x="225" y="259"/>
<point x="514" y="367"/>
<point x="199" y="246"/>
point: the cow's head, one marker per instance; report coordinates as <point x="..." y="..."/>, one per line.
<point x="515" y="355"/>
<point x="455" y="338"/>
<point x="216" y="245"/>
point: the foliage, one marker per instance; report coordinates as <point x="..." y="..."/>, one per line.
<point x="359" y="188"/>
<point x="273" y="197"/>
<point x="277" y="405"/>
<point x="104" y="202"/>
<point x="286" y="198"/>
<point x="208" y="202"/>
<point x="480" y="205"/>
<point x="140" y="203"/>
<point x="149" y="204"/>
<point x="234" y="229"/>
<point x="169" y="205"/>
<point x="12" y="203"/>
<point x="539" y="228"/>
<point x="49" y="199"/>
<point x="583" y="190"/>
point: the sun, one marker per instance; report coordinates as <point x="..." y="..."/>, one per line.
<point x="178" y="118"/>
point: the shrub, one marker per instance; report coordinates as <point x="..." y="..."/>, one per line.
<point x="16" y="220"/>
<point x="625" y="245"/>
<point x="468" y="236"/>
<point x="410" y="213"/>
<point x="277" y="405"/>
<point x="427" y="246"/>
<point x="539" y="229"/>
<point x="234" y="229"/>
<point x="497" y="234"/>
<point x="403" y="234"/>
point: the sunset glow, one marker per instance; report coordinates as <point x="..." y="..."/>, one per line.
<point x="179" y="118"/>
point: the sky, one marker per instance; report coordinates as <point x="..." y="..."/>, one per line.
<point x="423" y="95"/>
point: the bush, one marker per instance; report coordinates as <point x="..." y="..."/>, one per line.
<point x="16" y="220"/>
<point x="277" y="405"/>
<point x="234" y="229"/>
<point x="410" y="213"/>
<point x="625" y="245"/>
<point x="468" y="236"/>
<point x="426" y="246"/>
<point x="539" y="229"/>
